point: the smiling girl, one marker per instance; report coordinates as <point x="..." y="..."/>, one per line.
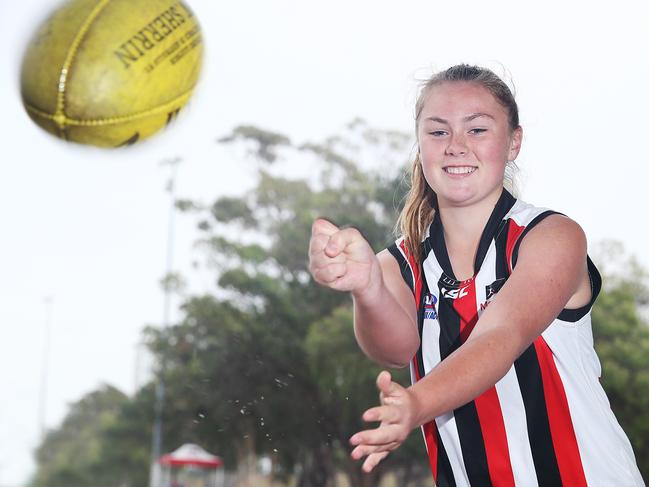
<point x="488" y="299"/>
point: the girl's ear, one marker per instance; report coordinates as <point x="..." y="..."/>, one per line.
<point x="515" y="143"/>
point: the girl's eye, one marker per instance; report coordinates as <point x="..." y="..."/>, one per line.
<point x="477" y="131"/>
<point x="437" y="133"/>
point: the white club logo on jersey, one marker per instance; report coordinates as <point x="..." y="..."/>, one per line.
<point x="455" y="293"/>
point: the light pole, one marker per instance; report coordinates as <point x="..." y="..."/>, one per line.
<point x="47" y="332"/>
<point x="156" y="440"/>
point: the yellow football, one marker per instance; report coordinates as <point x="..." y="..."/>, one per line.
<point x="111" y="72"/>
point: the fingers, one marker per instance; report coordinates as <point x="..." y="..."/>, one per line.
<point x="322" y="232"/>
<point x="385" y="434"/>
<point x="327" y="237"/>
<point x="384" y="382"/>
<point x="389" y="392"/>
<point x="342" y="259"/>
<point x="340" y="240"/>
<point x="395" y="418"/>
<point x="384" y="414"/>
<point x="329" y="273"/>
<point x="376" y="444"/>
<point x="323" y="227"/>
<point x="364" y="450"/>
<point x="373" y="460"/>
<point x="331" y="249"/>
<point x="323" y="243"/>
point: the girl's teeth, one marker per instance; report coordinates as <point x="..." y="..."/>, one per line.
<point x="459" y="170"/>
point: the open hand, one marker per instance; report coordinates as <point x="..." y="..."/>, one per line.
<point x="397" y="418"/>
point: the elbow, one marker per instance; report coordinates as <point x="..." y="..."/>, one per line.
<point x="398" y="365"/>
<point x="391" y="364"/>
<point x="394" y="359"/>
<point x="389" y="348"/>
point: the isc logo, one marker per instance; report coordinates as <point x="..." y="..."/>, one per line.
<point x="455" y="293"/>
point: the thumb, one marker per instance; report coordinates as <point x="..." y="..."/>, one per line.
<point x="384" y="383"/>
<point x="323" y="227"/>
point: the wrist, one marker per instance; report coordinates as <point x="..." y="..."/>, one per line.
<point x="371" y="293"/>
<point x="420" y="415"/>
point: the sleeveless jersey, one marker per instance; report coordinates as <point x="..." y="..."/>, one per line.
<point x="547" y="422"/>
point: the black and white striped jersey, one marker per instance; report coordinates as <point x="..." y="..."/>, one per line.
<point x="547" y="422"/>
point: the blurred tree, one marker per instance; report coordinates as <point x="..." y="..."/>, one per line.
<point x="73" y="453"/>
<point x="267" y="364"/>
<point x="271" y="366"/>
<point x="622" y="343"/>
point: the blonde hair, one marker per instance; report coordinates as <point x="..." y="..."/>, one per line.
<point x="421" y="201"/>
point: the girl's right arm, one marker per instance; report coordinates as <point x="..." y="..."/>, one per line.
<point x="385" y="318"/>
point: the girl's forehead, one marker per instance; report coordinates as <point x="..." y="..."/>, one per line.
<point x="461" y="97"/>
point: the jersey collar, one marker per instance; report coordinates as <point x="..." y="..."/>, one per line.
<point x="435" y="240"/>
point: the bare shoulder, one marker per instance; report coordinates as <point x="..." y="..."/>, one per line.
<point x="557" y="246"/>
<point x="391" y="269"/>
<point x="556" y="233"/>
<point x="388" y="262"/>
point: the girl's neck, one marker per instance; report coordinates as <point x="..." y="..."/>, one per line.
<point x="463" y="227"/>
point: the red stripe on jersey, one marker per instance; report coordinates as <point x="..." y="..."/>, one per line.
<point x="564" y="439"/>
<point x="415" y="368"/>
<point x="414" y="268"/>
<point x="513" y="232"/>
<point x="430" y="431"/>
<point x="495" y="438"/>
<point x="465" y="306"/>
<point x="490" y="416"/>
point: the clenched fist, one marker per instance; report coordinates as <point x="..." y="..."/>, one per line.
<point x="342" y="259"/>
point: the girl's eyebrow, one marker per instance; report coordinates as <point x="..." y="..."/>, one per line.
<point x="468" y="118"/>
<point x="477" y="115"/>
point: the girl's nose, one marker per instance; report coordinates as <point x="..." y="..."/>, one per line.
<point x="456" y="146"/>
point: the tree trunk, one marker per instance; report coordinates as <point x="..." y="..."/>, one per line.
<point x="246" y="459"/>
<point x="358" y="478"/>
<point x="317" y="472"/>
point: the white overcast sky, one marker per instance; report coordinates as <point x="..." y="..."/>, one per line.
<point x="87" y="227"/>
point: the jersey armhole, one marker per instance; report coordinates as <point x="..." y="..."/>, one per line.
<point x="568" y="315"/>
<point x="537" y="219"/>
<point x="574" y="315"/>
<point x="404" y="266"/>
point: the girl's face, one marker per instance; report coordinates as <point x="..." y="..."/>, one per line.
<point x="465" y="143"/>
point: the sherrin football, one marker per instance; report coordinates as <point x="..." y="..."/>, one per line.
<point x="111" y="72"/>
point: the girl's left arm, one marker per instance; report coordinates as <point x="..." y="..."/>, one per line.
<point x="550" y="273"/>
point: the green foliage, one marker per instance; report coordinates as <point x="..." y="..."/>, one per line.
<point x="268" y="365"/>
<point x="81" y="451"/>
<point x="275" y="368"/>
<point x="622" y="344"/>
<point x="173" y="282"/>
<point x="265" y="140"/>
<point x="232" y="209"/>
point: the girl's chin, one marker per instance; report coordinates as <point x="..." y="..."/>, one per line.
<point x="466" y="196"/>
<point x="458" y="194"/>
